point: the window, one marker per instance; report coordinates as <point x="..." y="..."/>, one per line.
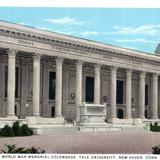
<point x="16" y="82"/>
<point x="146" y="94"/>
<point x="89" y="89"/>
<point x="120" y="92"/>
<point x="52" y="85"/>
<point x="6" y="81"/>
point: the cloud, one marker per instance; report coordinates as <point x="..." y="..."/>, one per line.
<point x="88" y="33"/>
<point x="64" y="21"/>
<point x="22" y="23"/>
<point x="144" y="29"/>
<point x="136" y="40"/>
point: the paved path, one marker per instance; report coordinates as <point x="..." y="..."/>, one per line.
<point x="112" y="142"/>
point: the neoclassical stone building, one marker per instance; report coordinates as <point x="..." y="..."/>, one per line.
<point x="46" y="76"/>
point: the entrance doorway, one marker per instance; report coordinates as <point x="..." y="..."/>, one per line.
<point x="53" y="111"/>
<point x="89" y="96"/>
<point x="120" y="114"/>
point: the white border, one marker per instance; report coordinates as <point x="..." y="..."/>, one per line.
<point x="82" y="3"/>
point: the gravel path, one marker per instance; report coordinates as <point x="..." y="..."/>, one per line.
<point x="112" y="142"/>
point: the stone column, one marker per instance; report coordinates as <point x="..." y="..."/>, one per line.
<point x="97" y="83"/>
<point x="155" y="96"/>
<point x="59" y="63"/>
<point x="11" y="83"/>
<point x="141" y="100"/>
<point x="113" y="91"/>
<point x="36" y="84"/>
<point x="128" y="92"/>
<point x="79" y="68"/>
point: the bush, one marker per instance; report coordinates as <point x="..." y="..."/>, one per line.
<point x="7" y="131"/>
<point x="156" y="150"/>
<point x="14" y="149"/>
<point x="16" y="130"/>
<point x="155" y="127"/>
<point x="70" y="119"/>
<point x="26" y="131"/>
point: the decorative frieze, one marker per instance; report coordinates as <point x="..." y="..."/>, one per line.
<point x="68" y="50"/>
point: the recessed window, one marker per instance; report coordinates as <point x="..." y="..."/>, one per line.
<point x="146" y="94"/>
<point x="89" y="89"/>
<point x="52" y="85"/>
<point x="120" y="92"/>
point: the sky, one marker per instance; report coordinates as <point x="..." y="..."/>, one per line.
<point x="137" y="29"/>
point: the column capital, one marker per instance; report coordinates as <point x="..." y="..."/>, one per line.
<point x="114" y="68"/>
<point x="129" y="71"/>
<point x="59" y="60"/>
<point x="12" y="53"/>
<point x="97" y="66"/>
<point x="155" y="75"/>
<point x="37" y="56"/>
<point x="142" y="74"/>
<point x="79" y="63"/>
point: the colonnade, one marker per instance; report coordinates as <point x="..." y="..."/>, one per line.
<point x="79" y="69"/>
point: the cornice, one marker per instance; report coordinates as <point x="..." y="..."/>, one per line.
<point x="26" y="33"/>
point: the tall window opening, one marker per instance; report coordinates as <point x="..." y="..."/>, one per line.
<point x="120" y="92"/>
<point x="89" y="89"/>
<point x="146" y="94"/>
<point x="52" y="85"/>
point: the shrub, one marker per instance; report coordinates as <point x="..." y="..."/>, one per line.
<point x="155" y="127"/>
<point x="16" y="130"/>
<point x="7" y="131"/>
<point x="156" y="150"/>
<point x="70" y="119"/>
<point x="26" y="131"/>
<point x="14" y="149"/>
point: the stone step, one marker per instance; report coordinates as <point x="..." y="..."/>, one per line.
<point x="55" y="129"/>
<point x="114" y="128"/>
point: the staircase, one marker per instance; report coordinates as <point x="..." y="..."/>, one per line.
<point x="54" y="129"/>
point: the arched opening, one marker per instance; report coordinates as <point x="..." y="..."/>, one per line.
<point x="53" y="111"/>
<point x="120" y="114"/>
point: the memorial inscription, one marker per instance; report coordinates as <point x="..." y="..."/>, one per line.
<point x="26" y="42"/>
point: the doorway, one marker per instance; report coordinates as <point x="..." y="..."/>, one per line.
<point x="53" y="111"/>
<point x="120" y="114"/>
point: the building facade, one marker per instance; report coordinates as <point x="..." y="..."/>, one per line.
<point x="50" y="75"/>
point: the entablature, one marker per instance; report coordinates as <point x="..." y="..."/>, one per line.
<point x="104" y="57"/>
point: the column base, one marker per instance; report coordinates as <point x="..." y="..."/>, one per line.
<point x="11" y="117"/>
<point x="154" y="117"/>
